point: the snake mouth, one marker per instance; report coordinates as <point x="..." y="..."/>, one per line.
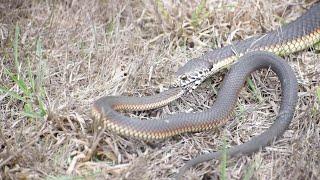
<point x="193" y="82"/>
<point x="189" y="82"/>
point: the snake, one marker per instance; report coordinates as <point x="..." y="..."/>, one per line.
<point x="243" y="57"/>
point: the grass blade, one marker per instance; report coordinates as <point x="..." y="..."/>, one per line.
<point x="223" y="164"/>
<point x="12" y="94"/>
<point x="318" y="94"/>
<point x="249" y="172"/>
<point x="197" y="15"/>
<point x="254" y="89"/>
<point x="30" y="76"/>
<point x="21" y="84"/>
<point x="16" y="48"/>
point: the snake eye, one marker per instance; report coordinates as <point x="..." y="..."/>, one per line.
<point x="184" y="78"/>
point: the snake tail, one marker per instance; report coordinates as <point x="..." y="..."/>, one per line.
<point x="235" y="79"/>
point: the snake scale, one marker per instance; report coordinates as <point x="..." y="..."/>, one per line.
<point x="246" y="56"/>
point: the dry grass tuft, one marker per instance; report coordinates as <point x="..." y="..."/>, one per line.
<point x="69" y="53"/>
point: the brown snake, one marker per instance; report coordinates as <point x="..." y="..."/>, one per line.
<point x="295" y="36"/>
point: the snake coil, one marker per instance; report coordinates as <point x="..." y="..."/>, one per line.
<point x="295" y="36"/>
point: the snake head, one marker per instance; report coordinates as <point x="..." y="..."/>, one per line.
<point x="192" y="74"/>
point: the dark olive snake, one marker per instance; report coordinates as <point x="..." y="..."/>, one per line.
<point x="246" y="57"/>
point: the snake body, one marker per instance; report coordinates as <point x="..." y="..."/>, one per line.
<point x="289" y="85"/>
<point x="295" y="36"/>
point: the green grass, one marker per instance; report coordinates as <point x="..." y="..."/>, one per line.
<point x="315" y="110"/>
<point x="89" y="175"/>
<point x="223" y="165"/>
<point x="317" y="46"/>
<point x="28" y="92"/>
<point x="199" y="14"/>
<point x="93" y="176"/>
<point x="15" y="47"/>
<point x="249" y="172"/>
<point x="110" y="28"/>
<point x="318" y="94"/>
<point x="242" y="111"/>
<point x="162" y="10"/>
<point x="254" y="90"/>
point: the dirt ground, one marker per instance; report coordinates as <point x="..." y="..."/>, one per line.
<point x="57" y="57"/>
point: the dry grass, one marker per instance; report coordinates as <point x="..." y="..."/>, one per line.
<point x="88" y="49"/>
